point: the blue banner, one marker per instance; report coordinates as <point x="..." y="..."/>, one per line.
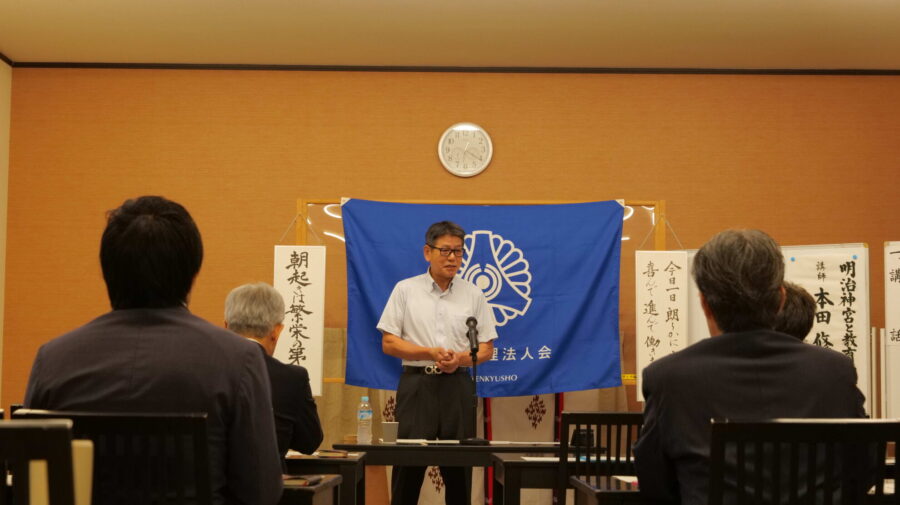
<point x="550" y="274"/>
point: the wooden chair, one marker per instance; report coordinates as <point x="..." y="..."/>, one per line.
<point x="24" y="442"/>
<point x="594" y="446"/>
<point x="842" y="461"/>
<point x="143" y="458"/>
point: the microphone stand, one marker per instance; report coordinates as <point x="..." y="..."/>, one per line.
<point x="474" y="439"/>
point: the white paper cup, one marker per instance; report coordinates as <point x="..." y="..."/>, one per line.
<point x="389" y="431"/>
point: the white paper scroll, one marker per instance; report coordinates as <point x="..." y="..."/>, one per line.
<point x="300" y="278"/>
<point x="837" y="276"/>
<point x="661" y="290"/>
<point x="891" y="338"/>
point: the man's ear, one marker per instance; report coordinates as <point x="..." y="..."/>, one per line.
<point x="703" y="304"/>
<point x="783" y="297"/>
<point x="276" y="332"/>
<point x="711" y="323"/>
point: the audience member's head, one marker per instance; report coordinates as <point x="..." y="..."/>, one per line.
<point x="799" y="312"/>
<point x="150" y="254"/>
<point x="255" y="311"/>
<point x="740" y="275"/>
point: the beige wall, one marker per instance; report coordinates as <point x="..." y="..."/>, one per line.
<point x="5" y="99"/>
<point x="811" y="159"/>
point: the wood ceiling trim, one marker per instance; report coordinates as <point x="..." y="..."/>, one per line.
<point x="525" y="70"/>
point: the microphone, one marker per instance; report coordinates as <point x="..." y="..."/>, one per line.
<point x="472" y="333"/>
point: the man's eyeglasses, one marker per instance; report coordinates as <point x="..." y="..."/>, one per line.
<point x="445" y="251"/>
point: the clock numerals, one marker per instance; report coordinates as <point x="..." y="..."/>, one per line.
<point x="465" y="149"/>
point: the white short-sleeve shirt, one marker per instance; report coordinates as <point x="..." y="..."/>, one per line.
<point x="419" y="312"/>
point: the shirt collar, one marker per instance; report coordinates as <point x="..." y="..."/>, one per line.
<point x="430" y="285"/>
<point x="257" y="342"/>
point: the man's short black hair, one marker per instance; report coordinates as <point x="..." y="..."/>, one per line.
<point x="799" y="312"/>
<point x="150" y="253"/>
<point x="443" y="228"/>
<point x="740" y="273"/>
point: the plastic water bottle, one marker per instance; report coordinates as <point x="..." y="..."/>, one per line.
<point x="364" y="422"/>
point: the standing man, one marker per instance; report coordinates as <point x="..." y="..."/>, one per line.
<point x="256" y="312"/>
<point x="745" y="371"/>
<point x="150" y="354"/>
<point x="424" y="324"/>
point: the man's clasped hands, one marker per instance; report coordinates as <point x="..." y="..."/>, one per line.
<point x="446" y="360"/>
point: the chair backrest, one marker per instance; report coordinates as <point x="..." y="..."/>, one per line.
<point x="143" y="458"/>
<point x="801" y="461"/>
<point x="596" y="445"/>
<point x="22" y="442"/>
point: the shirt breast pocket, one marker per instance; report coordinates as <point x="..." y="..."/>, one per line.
<point x="458" y="330"/>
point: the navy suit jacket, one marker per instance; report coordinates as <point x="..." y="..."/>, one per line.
<point x="296" y="417"/>
<point x="743" y="376"/>
<point x="168" y="360"/>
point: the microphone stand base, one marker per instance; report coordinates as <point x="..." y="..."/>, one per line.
<point x="474" y="441"/>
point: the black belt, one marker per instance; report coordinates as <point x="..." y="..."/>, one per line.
<point x="432" y="370"/>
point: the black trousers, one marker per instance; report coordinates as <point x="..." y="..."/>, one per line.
<point x="434" y="406"/>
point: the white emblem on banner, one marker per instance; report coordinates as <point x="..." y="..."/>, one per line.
<point x="500" y="269"/>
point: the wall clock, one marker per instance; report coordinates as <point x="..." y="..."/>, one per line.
<point x="465" y="149"/>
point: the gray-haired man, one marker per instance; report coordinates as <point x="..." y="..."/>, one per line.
<point x="745" y="371"/>
<point x="256" y="312"/>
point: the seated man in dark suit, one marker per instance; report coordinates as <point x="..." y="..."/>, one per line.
<point x="745" y="371"/>
<point x="255" y="311"/>
<point x="798" y="313"/>
<point x="150" y="354"/>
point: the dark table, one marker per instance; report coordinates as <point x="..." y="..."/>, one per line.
<point x="401" y="454"/>
<point x="351" y="469"/>
<point x="512" y="473"/>
<point x="609" y="491"/>
<point x="441" y="454"/>
<point x="326" y="492"/>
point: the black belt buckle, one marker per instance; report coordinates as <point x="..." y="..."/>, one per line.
<point x="432" y="370"/>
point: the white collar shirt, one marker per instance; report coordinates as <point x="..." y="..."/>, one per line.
<point x="419" y="312"/>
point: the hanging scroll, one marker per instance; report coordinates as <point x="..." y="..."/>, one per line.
<point x="891" y="349"/>
<point x="837" y="276"/>
<point x="300" y="278"/>
<point x="661" y="288"/>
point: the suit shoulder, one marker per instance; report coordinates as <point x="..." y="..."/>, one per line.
<point x="214" y="341"/>
<point x="299" y="371"/>
<point x="676" y="359"/>
<point x="684" y="362"/>
<point x="286" y="368"/>
<point x="827" y="355"/>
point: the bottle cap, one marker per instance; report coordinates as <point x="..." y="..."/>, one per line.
<point x="365" y="398"/>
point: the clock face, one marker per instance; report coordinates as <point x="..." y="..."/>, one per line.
<point x="465" y="149"/>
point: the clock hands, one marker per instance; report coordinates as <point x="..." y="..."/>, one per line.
<point x="466" y="151"/>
